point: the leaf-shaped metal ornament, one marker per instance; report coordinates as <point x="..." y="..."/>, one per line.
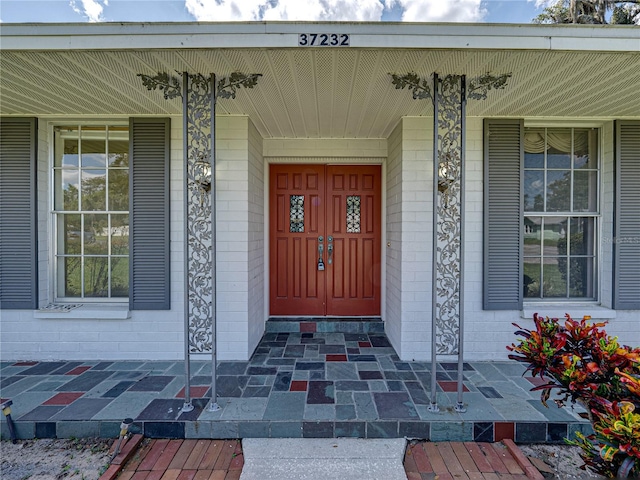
<point x="169" y="85"/>
<point x="228" y="86"/>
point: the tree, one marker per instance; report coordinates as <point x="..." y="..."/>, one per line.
<point x="591" y="12"/>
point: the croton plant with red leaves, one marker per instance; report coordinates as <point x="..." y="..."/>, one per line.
<point x="583" y="364"/>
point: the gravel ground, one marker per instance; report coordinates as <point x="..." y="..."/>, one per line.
<point x="564" y="459"/>
<point x="81" y="459"/>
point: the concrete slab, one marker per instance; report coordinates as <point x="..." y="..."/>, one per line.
<point x="319" y="459"/>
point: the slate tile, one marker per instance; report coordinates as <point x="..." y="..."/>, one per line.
<point x="483" y="432"/>
<point x="294" y="351"/>
<point x="66" y="368"/>
<point x="379" y="341"/>
<point x="418" y="395"/>
<point x="231" y="386"/>
<point x="418" y="430"/>
<point x="285" y="406"/>
<point x="321" y="392"/>
<point x="382" y="429"/>
<point x="282" y="382"/>
<point x="402" y="366"/>
<point x="317" y="429"/>
<point x="64" y="398"/>
<point x="365" y="407"/>
<point x="101" y="366"/>
<point x="262" y="371"/>
<point x="161" y="409"/>
<point x="232" y="368"/>
<point x="362" y="358"/>
<point x="370" y="375"/>
<point x="165" y="430"/>
<point x="85" y="382"/>
<point x="356" y="337"/>
<point x="129" y="375"/>
<point x="117" y="390"/>
<point x="224" y="430"/>
<point x="82" y="409"/>
<point x="527" y="432"/>
<point x="152" y="383"/>
<point x="285" y="430"/>
<point x="331" y="349"/>
<point x="396" y="386"/>
<point x="253" y="429"/>
<point x="453" y="366"/>
<point x="281" y="361"/>
<point x="350" y="429"/>
<point x="451" y="432"/>
<point x="556" y="432"/>
<point x="353" y="385"/>
<point x="251" y="392"/>
<point x="489" y="392"/>
<point x="309" y="365"/>
<point x="345" y="412"/>
<point x="41" y="413"/>
<point x="399" y="375"/>
<point x="5" y="382"/>
<point x="341" y="371"/>
<point x="394" y="405"/>
<point x="43" y="368"/>
<point x="45" y="429"/>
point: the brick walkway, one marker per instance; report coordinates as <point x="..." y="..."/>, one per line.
<point x="223" y="460"/>
<point x="468" y="461"/>
<point x="184" y="460"/>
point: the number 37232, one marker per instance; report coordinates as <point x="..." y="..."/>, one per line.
<point x="323" y="40"/>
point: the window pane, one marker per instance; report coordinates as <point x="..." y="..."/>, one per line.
<point x="534" y="191"/>
<point x="96" y="227"/>
<point x="71" y="285"/>
<point x="66" y="189"/>
<point x="353" y="214"/>
<point x="555" y="236"/>
<point x="534" y="146"/>
<point x="296" y="213"/>
<point x="118" y="147"/>
<point x="93" y="190"/>
<point x="554" y="282"/>
<point x="96" y="277"/>
<point x="118" y="190"/>
<point x="531" y="280"/>
<point x="581" y="277"/>
<point x="94" y="147"/>
<point x="67" y="147"/>
<point x="582" y="236"/>
<point x="558" y="148"/>
<point x="69" y="234"/>
<point x="119" y="234"/>
<point x="558" y="190"/>
<point x="585" y="148"/>
<point x="119" y="277"/>
<point x="585" y="186"/>
<point x="532" y="236"/>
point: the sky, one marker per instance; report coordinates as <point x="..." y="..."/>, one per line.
<point x="50" y="11"/>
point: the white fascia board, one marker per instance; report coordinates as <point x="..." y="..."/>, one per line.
<point x="135" y="36"/>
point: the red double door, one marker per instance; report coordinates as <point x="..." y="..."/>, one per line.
<point x="325" y="240"/>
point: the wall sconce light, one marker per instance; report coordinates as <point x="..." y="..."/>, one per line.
<point x="445" y="174"/>
<point x="202" y="173"/>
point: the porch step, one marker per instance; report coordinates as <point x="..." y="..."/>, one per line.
<point x="325" y="325"/>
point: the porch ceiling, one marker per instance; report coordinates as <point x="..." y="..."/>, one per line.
<point x="321" y="93"/>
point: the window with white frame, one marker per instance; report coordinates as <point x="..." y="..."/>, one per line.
<point x="91" y="212"/>
<point x="561" y="213"/>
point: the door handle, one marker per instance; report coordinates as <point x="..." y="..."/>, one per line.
<point x="320" y="251"/>
<point x="330" y="250"/>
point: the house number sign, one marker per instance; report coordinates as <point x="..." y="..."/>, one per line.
<point x="323" y="40"/>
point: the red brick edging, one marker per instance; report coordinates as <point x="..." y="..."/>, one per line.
<point x="529" y="470"/>
<point x="126" y="452"/>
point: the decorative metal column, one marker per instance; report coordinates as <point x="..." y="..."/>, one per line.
<point x="449" y="96"/>
<point x="199" y="98"/>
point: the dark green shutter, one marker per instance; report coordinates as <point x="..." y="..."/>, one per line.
<point x="503" y="154"/>
<point x="18" y="219"/>
<point x="626" y="268"/>
<point x="149" y="214"/>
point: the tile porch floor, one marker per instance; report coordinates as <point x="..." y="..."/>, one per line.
<point x="295" y="385"/>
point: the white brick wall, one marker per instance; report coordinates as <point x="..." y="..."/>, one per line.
<point x="243" y="265"/>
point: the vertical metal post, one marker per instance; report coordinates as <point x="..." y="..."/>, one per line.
<point x="213" y="405"/>
<point x="433" y="407"/>
<point x="188" y="406"/>
<point x="463" y="139"/>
